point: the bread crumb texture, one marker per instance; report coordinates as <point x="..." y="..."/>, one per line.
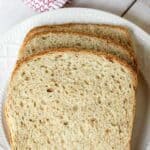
<point x="70" y="101"/>
<point x="116" y="34"/>
<point x="55" y="40"/>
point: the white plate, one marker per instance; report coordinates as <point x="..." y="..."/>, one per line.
<point x="11" y="41"/>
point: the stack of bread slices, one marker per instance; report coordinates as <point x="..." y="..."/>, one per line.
<point x="73" y="88"/>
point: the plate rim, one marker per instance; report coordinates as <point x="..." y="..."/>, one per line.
<point x="132" y="24"/>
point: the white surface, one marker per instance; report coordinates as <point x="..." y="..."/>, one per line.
<point x="11" y="42"/>
<point x="14" y="11"/>
<point x="113" y="6"/>
<point x="140" y="14"/>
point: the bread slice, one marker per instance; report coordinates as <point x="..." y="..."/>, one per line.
<point x="47" y="39"/>
<point x="113" y="33"/>
<point x="66" y="100"/>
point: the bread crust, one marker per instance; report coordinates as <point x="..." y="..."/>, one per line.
<point x="129" y="54"/>
<point x="48" y="27"/>
<point x="9" y="138"/>
<point x="99" y="53"/>
<point x="64" y="50"/>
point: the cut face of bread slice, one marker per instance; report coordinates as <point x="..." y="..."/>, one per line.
<point x="116" y="34"/>
<point x="71" y="100"/>
<point x="46" y="40"/>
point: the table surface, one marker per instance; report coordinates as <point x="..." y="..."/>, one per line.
<point x="138" y="11"/>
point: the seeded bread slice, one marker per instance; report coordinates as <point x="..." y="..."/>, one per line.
<point x="47" y="39"/>
<point x="113" y="33"/>
<point x="71" y="100"/>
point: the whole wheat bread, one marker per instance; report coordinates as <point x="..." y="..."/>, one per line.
<point x="71" y="100"/>
<point x="114" y="33"/>
<point x="47" y="39"/>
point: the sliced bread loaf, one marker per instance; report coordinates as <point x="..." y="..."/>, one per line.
<point x="47" y="39"/>
<point x="71" y="100"/>
<point x="114" y="33"/>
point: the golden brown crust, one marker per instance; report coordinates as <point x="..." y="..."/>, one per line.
<point x="38" y="28"/>
<point x="126" y="31"/>
<point x="47" y="28"/>
<point x="34" y="56"/>
<point x="106" y="55"/>
<point x="7" y="122"/>
<point x="130" y="55"/>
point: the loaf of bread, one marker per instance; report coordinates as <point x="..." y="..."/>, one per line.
<point x="69" y="100"/>
<point x="113" y="33"/>
<point x="50" y="39"/>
